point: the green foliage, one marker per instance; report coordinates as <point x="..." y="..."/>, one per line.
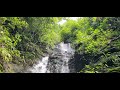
<point x="50" y="39"/>
<point x="42" y="32"/>
<point x="23" y="39"/>
<point x="96" y="39"/>
<point x="68" y="31"/>
<point x="8" y="39"/>
<point x="80" y="32"/>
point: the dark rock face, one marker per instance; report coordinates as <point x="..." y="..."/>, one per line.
<point x="79" y="61"/>
<point x="72" y="65"/>
<point x="59" y="60"/>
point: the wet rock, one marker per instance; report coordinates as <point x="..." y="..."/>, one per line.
<point x="58" y="61"/>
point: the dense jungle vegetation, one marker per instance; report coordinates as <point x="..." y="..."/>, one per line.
<point x="96" y="41"/>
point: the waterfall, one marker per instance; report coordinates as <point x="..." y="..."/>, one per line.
<point x="40" y="67"/>
<point x="57" y="62"/>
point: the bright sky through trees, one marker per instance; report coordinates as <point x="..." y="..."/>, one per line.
<point x="63" y="21"/>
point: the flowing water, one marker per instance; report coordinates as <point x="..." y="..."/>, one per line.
<point x="57" y="62"/>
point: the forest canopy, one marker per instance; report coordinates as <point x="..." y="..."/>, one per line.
<point x="96" y="41"/>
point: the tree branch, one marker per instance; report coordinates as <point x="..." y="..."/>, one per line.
<point x="116" y="38"/>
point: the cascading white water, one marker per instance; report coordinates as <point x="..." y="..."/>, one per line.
<point x="40" y="67"/>
<point x="57" y="63"/>
<point x="65" y="47"/>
